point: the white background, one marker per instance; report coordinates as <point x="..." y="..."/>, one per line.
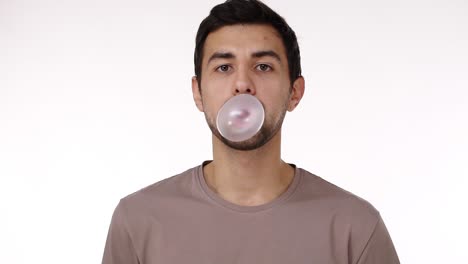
<point x="95" y="103"/>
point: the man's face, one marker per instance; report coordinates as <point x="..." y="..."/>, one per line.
<point x="245" y="59"/>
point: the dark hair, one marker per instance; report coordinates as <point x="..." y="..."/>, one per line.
<point x="234" y="12"/>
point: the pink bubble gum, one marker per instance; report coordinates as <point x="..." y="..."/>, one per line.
<point x="240" y="118"/>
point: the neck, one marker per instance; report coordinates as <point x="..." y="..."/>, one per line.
<point x="248" y="177"/>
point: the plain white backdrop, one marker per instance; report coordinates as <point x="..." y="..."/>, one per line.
<point x="96" y="103"/>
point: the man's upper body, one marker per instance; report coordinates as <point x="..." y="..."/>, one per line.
<point x="281" y="214"/>
<point x="182" y="220"/>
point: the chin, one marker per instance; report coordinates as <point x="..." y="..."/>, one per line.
<point x="256" y="142"/>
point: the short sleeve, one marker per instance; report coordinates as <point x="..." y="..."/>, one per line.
<point x="379" y="248"/>
<point x="119" y="247"/>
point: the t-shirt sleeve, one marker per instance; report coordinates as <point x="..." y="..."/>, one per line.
<point x="379" y="248"/>
<point x="119" y="247"/>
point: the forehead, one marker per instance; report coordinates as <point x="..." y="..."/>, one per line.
<point x="244" y="39"/>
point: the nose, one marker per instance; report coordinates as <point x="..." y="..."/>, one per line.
<point x="243" y="83"/>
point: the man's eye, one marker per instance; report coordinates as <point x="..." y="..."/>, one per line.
<point x="223" y="68"/>
<point x="264" y="67"/>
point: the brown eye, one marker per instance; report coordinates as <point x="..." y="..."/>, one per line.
<point x="264" y="67"/>
<point x="223" y="68"/>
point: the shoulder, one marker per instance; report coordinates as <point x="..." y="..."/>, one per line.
<point x="336" y="201"/>
<point x="159" y="193"/>
<point x="347" y="215"/>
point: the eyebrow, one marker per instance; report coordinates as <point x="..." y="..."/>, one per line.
<point x="220" y="55"/>
<point x="257" y="54"/>
<point x="266" y="53"/>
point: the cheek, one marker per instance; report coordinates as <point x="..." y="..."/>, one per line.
<point x="275" y="103"/>
<point x="212" y="102"/>
<point x="215" y="93"/>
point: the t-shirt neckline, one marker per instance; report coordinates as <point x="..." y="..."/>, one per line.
<point x="241" y="208"/>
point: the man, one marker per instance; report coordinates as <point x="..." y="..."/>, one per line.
<point x="247" y="205"/>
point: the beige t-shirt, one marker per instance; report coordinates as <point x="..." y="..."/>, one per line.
<point x="180" y="220"/>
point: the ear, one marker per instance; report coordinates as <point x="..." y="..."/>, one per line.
<point x="297" y="92"/>
<point x="196" y="94"/>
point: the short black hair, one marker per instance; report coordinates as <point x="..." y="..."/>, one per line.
<point x="233" y="12"/>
